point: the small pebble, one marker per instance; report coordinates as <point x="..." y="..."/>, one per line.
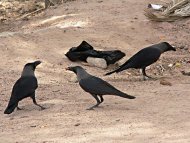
<point x="165" y="82"/>
<point x="78" y="124"/>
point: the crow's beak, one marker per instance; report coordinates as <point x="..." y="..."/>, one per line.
<point x="174" y="49"/>
<point x="37" y="63"/>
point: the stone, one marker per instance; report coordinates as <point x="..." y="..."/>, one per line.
<point x="97" y="62"/>
<point x="165" y="82"/>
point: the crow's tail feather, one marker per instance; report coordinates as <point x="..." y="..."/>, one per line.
<point x="10" y="108"/>
<point x="124" y="95"/>
<point x="121" y="68"/>
<point x="117" y="70"/>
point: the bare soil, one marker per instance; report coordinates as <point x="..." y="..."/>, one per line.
<point x="159" y="114"/>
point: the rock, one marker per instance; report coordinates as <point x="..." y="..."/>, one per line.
<point x="177" y="64"/>
<point x="148" y="68"/>
<point x="185" y="73"/>
<point x="117" y="120"/>
<point x="73" y="78"/>
<point x="186" y="48"/>
<point x="98" y="62"/>
<point x="170" y="65"/>
<point x="165" y="82"/>
<point x="78" y="124"/>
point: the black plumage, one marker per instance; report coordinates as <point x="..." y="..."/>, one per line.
<point x="96" y="86"/>
<point x="144" y="58"/>
<point x="24" y="87"/>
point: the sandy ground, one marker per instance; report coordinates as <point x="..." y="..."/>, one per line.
<point x="159" y="114"/>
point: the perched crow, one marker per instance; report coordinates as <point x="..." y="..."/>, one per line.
<point x="24" y="87"/>
<point x="96" y="86"/>
<point x="144" y="58"/>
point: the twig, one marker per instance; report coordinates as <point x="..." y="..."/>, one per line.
<point x="28" y="14"/>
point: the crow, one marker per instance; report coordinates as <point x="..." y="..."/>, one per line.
<point x="24" y="87"/>
<point x="96" y="86"/>
<point x="144" y="58"/>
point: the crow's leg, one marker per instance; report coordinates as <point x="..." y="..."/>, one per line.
<point x="98" y="102"/>
<point x="145" y="76"/>
<point x="101" y="98"/>
<point x="34" y="101"/>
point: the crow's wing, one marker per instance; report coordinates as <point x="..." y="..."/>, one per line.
<point x="143" y="58"/>
<point x="95" y="85"/>
<point x="24" y="87"/>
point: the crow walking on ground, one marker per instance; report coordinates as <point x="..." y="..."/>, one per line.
<point x="24" y="87"/>
<point x="96" y="86"/>
<point x="144" y="58"/>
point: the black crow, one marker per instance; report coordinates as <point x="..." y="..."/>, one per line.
<point x="24" y="87"/>
<point x="144" y="58"/>
<point x="96" y="86"/>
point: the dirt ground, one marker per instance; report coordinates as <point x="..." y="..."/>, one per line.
<point x="159" y="114"/>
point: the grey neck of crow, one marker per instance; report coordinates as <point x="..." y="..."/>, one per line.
<point x="28" y="71"/>
<point x="162" y="47"/>
<point x="82" y="74"/>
